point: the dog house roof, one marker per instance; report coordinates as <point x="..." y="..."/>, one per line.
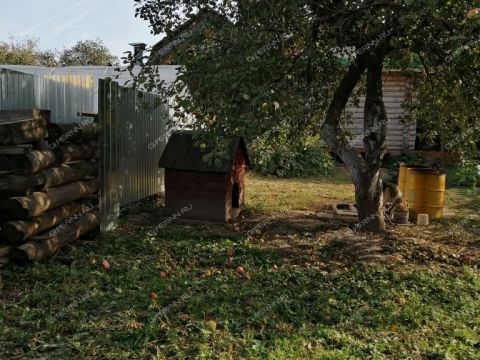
<point x="183" y="152"/>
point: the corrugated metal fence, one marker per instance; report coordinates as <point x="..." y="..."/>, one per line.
<point x="133" y="132"/>
<point x="63" y="95"/>
<point x="133" y="138"/>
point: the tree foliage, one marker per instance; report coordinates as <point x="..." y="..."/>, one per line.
<point x="297" y="63"/>
<point x="26" y="51"/>
<point x="87" y="52"/>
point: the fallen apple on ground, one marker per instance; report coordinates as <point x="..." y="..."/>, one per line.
<point x="105" y="265"/>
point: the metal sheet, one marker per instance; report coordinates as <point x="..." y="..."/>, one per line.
<point x="128" y="167"/>
<point x="63" y="95"/>
<point x="130" y="172"/>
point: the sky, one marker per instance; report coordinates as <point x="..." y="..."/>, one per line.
<point x="61" y="23"/>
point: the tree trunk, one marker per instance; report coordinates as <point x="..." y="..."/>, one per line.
<point x="365" y="173"/>
<point x="368" y="195"/>
<point x="369" y="190"/>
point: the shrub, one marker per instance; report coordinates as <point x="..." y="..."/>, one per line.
<point x="466" y="174"/>
<point x="289" y="160"/>
<point x="312" y="161"/>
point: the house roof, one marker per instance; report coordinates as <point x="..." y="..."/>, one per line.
<point x="184" y="153"/>
<point x="169" y="42"/>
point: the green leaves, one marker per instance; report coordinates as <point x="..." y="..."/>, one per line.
<point x="259" y="63"/>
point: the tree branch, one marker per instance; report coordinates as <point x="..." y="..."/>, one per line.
<point x="330" y="128"/>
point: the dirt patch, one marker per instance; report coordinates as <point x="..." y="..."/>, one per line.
<point x="300" y="238"/>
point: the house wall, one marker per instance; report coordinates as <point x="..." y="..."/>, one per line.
<point x="400" y="137"/>
<point x="205" y="192"/>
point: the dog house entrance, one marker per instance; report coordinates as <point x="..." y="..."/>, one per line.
<point x="235" y="196"/>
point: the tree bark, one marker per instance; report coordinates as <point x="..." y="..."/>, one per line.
<point x="4" y="250"/>
<point x="39" y="250"/>
<point x="22" y="126"/>
<point x="365" y="173"/>
<point x="32" y="162"/>
<point x="369" y="190"/>
<point x="40" y="202"/>
<point x="20" y="230"/>
<point x="369" y="198"/>
<point x="73" y="152"/>
<point x="20" y="185"/>
<point x="61" y="133"/>
<point x="67" y="173"/>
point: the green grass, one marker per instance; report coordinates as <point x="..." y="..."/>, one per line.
<point x="282" y="308"/>
<point x="267" y="195"/>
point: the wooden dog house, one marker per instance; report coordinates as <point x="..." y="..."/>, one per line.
<point x="210" y="191"/>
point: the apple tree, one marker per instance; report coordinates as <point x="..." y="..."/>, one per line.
<point x="295" y="64"/>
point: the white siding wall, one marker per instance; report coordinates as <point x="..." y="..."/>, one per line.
<point x="400" y="137"/>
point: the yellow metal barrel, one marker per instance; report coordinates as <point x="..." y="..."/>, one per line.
<point x="425" y="192"/>
<point x="402" y="177"/>
<point x="402" y="174"/>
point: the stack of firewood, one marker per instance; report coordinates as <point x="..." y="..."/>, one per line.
<point x="48" y="184"/>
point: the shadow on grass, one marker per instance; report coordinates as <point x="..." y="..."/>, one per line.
<point x="180" y="294"/>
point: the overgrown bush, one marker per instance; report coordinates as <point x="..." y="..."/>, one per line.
<point x="290" y="160"/>
<point x="465" y="174"/>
